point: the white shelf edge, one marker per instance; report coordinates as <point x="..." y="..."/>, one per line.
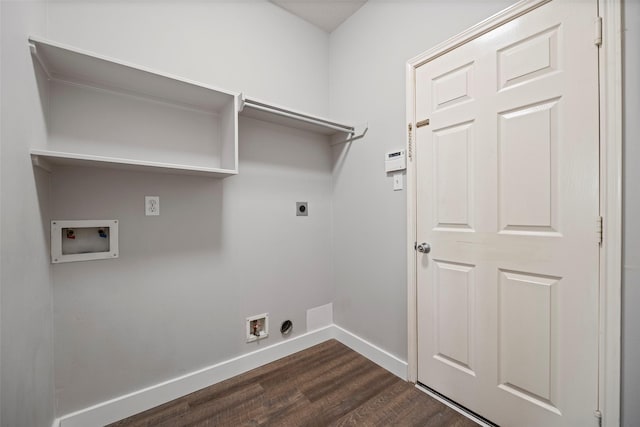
<point x="35" y="40"/>
<point x="45" y="158"/>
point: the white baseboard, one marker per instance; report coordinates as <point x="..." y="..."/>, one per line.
<point x="377" y="355"/>
<point x="150" y="397"/>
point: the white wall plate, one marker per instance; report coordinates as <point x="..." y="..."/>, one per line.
<point x="83" y="240"/>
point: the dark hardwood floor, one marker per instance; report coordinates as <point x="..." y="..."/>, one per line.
<point x="326" y="385"/>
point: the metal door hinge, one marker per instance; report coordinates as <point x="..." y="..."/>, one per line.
<point x="410" y="143"/>
<point x="598" y="416"/>
<point x="598" y="39"/>
<point x="421" y="123"/>
<point x="599" y="230"/>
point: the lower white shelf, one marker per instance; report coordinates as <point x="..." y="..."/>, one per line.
<point x="45" y="158"/>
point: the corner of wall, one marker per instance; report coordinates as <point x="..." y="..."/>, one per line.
<point x="26" y="343"/>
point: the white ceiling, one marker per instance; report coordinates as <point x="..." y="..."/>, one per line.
<point x="326" y="14"/>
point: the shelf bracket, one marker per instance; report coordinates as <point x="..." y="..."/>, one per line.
<point x="358" y="133"/>
<point x="34" y="52"/>
<point x="40" y="162"/>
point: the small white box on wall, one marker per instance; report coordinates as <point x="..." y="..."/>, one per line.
<point x="83" y="240"/>
<point x="395" y="161"/>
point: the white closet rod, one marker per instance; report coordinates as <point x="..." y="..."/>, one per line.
<point x="298" y="116"/>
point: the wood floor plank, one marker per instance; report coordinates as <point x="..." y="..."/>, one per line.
<point x="343" y="396"/>
<point x="222" y="406"/>
<point x="338" y="378"/>
<point x="325" y="385"/>
<point x="160" y="414"/>
<point x="294" y="366"/>
<point x="384" y="406"/>
<point x="326" y="364"/>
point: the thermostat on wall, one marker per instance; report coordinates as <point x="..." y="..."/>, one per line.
<point x="83" y="240"/>
<point x="395" y="161"/>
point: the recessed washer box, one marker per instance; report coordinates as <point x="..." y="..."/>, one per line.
<point x="83" y="240"/>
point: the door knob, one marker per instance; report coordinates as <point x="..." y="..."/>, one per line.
<point x="423" y="248"/>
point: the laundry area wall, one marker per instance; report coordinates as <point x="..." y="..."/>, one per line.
<point x="221" y="250"/>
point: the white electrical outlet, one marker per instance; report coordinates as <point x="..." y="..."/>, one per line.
<point x="151" y="205"/>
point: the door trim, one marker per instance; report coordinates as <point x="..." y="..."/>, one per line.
<point x="610" y="64"/>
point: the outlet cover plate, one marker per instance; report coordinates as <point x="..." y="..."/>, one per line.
<point x="84" y="247"/>
<point x="397" y="181"/>
<point x="152" y="205"/>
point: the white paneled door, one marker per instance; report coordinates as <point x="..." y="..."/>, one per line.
<point x="507" y="199"/>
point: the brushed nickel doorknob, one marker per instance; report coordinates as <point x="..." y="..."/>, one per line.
<point x="424" y="248"/>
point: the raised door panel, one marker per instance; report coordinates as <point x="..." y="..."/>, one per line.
<point x="528" y="189"/>
<point x="528" y="58"/>
<point x="454" y="305"/>
<point x="453" y="176"/>
<point x="528" y="351"/>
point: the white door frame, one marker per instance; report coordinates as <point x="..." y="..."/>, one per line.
<point x="610" y="63"/>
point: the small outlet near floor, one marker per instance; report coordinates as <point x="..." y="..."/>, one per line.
<point x="151" y="205"/>
<point x="257" y="327"/>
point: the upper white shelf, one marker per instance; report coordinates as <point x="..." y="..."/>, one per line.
<point x="105" y="112"/>
<point x="66" y="63"/>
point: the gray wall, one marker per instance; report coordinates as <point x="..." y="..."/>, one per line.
<point x="250" y="45"/>
<point x="26" y="369"/>
<point x="368" y="57"/>
<point x="631" y="248"/>
<point x="221" y="250"/>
